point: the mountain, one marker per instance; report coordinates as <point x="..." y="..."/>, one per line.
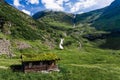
<point x="51" y="26"/>
<point x="18" y="24"/>
<point x="23" y="32"/>
<point x="109" y="20"/>
<point x="89" y="17"/>
<point x="103" y="19"/>
<point x="55" y="18"/>
<point x="106" y="19"/>
<point x="112" y="10"/>
<point x="21" y="29"/>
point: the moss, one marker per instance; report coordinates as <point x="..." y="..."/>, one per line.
<point x="40" y="57"/>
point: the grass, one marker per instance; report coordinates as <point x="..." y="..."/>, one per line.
<point x="9" y="62"/>
<point x="89" y="63"/>
<point x="39" y="57"/>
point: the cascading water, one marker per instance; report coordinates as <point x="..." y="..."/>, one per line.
<point x="74" y="17"/>
<point x="61" y="43"/>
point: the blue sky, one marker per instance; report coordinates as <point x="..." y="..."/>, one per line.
<point x="30" y="7"/>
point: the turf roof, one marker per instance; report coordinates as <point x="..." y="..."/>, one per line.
<point x="39" y="57"/>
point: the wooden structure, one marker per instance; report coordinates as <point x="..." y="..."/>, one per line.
<point x="40" y="62"/>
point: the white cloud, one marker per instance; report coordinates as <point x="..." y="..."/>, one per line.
<point x="54" y="4"/>
<point x="33" y="1"/>
<point x="103" y="3"/>
<point x="25" y="11"/>
<point x="16" y="3"/>
<point x="71" y="6"/>
<point x="83" y="4"/>
<point x="80" y="12"/>
<point x="60" y="2"/>
<point x="76" y="6"/>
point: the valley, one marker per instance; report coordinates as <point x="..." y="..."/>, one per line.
<point x="91" y="48"/>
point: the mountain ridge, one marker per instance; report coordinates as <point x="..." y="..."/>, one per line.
<point x="103" y="19"/>
<point x="51" y="26"/>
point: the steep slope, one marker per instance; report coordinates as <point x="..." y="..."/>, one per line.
<point x="112" y="10"/>
<point x="24" y="34"/>
<point x="51" y="26"/>
<point x="110" y="19"/>
<point x="18" y="24"/>
<point x="106" y="19"/>
<point x="47" y="30"/>
<point x="89" y="17"/>
<point x="60" y="25"/>
<point x="55" y="18"/>
<point x="103" y="19"/>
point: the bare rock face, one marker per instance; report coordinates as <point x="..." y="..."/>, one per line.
<point x="5" y="47"/>
<point x="22" y="45"/>
<point x="50" y="44"/>
<point x="6" y="28"/>
<point x="2" y="1"/>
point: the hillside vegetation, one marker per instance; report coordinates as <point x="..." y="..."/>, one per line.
<point x="90" y="52"/>
<point x="103" y="19"/>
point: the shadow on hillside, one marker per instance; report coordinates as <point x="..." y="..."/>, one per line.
<point x="112" y="39"/>
<point x="111" y="43"/>
<point x="16" y="68"/>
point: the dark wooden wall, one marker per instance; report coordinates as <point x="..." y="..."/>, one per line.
<point x="38" y="66"/>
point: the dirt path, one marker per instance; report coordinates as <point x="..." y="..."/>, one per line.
<point x="88" y="66"/>
<point x="3" y="67"/>
<point x="115" y="69"/>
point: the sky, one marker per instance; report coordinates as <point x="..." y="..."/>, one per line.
<point x="31" y="7"/>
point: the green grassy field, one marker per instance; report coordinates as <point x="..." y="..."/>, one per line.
<point x="89" y="63"/>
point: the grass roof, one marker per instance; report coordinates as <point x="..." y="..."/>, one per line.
<point x="39" y="57"/>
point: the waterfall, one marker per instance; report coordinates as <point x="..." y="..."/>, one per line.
<point x="80" y="45"/>
<point x="74" y="25"/>
<point x="61" y="43"/>
<point x="74" y="16"/>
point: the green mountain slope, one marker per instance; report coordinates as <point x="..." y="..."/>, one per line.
<point x="109" y="20"/>
<point x="19" y="24"/>
<point x="52" y="25"/>
<point x="106" y="19"/>
<point x="55" y="18"/>
<point x="103" y="19"/>
<point x="89" y="17"/>
<point x="48" y="29"/>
